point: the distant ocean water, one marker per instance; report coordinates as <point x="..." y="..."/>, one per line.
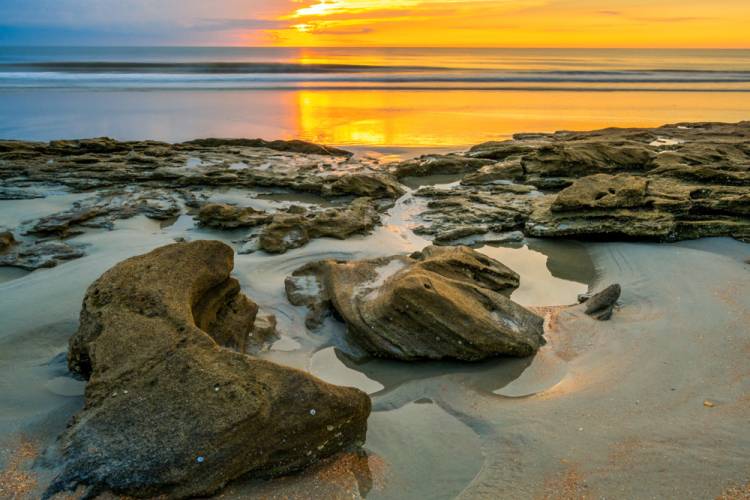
<point x="377" y="98"/>
<point x="380" y="69"/>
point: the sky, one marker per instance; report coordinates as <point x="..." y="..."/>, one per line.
<point x="364" y="23"/>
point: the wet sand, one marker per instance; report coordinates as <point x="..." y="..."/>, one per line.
<point x="653" y="404"/>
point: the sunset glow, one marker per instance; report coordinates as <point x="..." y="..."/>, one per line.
<point x="379" y="23"/>
<point x="512" y="23"/>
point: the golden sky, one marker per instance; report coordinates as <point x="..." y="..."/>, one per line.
<point x="510" y="23"/>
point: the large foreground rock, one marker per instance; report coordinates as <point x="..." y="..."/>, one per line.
<point x="441" y="303"/>
<point x="168" y="410"/>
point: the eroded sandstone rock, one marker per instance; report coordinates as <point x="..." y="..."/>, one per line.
<point x="104" y="209"/>
<point x="602" y="191"/>
<point x="439" y="165"/>
<point x="371" y="185"/>
<point x="224" y="216"/>
<point x="670" y="183"/>
<point x="441" y="303"/>
<point x="293" y="146"/>
<point x="289" y="230"/>
<point x="171" y="412"/>
<point x="39" y="255"/>
<point x="6" y="240"/>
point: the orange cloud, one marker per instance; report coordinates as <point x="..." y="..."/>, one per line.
<point x="515" y="23"/>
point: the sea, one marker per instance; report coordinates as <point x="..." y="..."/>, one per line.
<point x="379" y="98"/>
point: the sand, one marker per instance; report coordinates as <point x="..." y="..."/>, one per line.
<point x="605" y="410"/>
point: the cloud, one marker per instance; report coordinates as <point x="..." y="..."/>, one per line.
<point x="654" y="19"/>
<point x="237" y="24"/>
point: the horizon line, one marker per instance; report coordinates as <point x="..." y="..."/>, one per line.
<point x="484" y="47"/>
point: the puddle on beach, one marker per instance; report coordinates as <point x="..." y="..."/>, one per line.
<point x="440" y="430"/>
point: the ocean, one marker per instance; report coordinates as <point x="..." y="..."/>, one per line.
<point x="378" y="98"/>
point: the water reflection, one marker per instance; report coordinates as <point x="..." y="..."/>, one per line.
<point x="552" y="273"/>
<point x="369" y="118"/>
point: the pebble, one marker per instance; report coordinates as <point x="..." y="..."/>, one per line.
<point x="708" y="404"/>
<point x="313" y="412"/>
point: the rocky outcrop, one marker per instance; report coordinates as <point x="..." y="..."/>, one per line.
<point x="294" y="146"/>
<point x="295" y="228"/>
<point x="102" y="210"/>
<point x="169" y="411"/>
<point x="371" y="185"/>
<point x="162" y="181"/>
<point x="39" y="255"/>
<point x="671" y="183"/>
<point x="602" y="192"/>
<point x="441" y="303"/>
<point x="239" y="163"/>
<point x="222" y="216"/>
<point x="439" y="165"/>
<point x="456" y="214"/>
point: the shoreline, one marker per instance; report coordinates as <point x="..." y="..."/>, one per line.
<point x="603" y="408"/>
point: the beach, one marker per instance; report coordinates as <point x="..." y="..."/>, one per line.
<point x="652" y="403"/>
<point x="383" y="273"/>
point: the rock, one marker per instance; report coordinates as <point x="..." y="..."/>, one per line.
<point x="602" y="191"/>
<point x="465" y="211"/>
<point x="500" y="151"/>
<point x="168" y="410"/>
<point x="441" y="303"/>
<point x="586" y="157"/>
<point x="293" y="230"/>
<point x="264" y="331"/>
<point x="39" y="255"/>
<point x="99" y="163"/>
<point x="223" y="216"/>
<point x="601" y="305"/>
<point x="226" y="314"/>
<point x="367" y="185"/>
<point x="438" y="165"/>
<point x="508" y="170"/>
<point x="59" y="224"/>
<point x="294" y="146"/>
<point x="671" y="183"/>
<point x="103" y="209"/>
<point x="6" y="240"/>
<point x="458" y="233"/>
<point x="17" y="193"/>
<point x="611" y="224"/>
